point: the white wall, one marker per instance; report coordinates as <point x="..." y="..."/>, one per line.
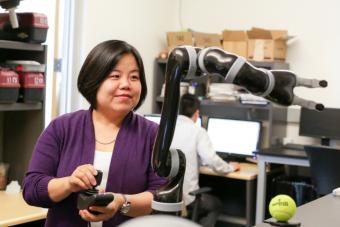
<point x="141" y="23"/>
<point x="144" y="23"/>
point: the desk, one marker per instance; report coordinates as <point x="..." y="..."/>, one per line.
<point x="279" y="156"/>
<point x="318" y="213"/>
<point x="247" y="172"/>
<point x="14" y="210"/>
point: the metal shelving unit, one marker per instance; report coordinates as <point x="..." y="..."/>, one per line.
<point x="20" y="106"/>
<point x="20" y="123"/>
<point x="15" y="45"/>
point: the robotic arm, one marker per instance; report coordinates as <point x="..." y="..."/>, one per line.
<point x="274" y="85"/>
<point x="165" y="162"/>
<point x="189" y="62"/>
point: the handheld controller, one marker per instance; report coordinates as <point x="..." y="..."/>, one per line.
<point x="91" y="197"/>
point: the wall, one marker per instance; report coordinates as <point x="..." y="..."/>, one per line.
<point x="141" y="23"/>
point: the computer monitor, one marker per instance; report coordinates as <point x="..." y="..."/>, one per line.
<point x="157" y="119"/>
<point x="234" y="138"/>
<point x="320" y="124"/>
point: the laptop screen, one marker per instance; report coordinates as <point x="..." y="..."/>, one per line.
<point x="157" y="119"/>
<point x="234" y="137"/>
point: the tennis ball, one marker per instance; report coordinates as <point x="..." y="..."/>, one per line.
<point x="282" y="208"/>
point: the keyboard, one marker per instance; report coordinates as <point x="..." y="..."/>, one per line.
<point x="230" y="158"/>
<point x="294" y="146"/>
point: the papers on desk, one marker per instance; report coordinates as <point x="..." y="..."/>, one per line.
<point x="252" y="99"/>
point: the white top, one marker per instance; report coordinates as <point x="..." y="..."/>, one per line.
<point x="102" y="160"/>
<point x="197" y="147"/>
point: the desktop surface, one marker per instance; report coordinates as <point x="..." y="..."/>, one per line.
<point x="318" y="213"/>
<point x="294" y="146"/>
<point x="281" y="151"/>
<point x="14" y="210"/>
<point x="247" y="171"/>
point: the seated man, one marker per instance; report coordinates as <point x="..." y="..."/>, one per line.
<point x="195" y="143"/>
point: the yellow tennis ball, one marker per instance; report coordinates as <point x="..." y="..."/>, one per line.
<point x="282" y="207"/>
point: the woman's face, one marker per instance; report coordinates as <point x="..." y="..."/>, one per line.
<point x="120" y="91"/>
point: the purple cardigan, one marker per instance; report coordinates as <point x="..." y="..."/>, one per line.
<point x="69" y="142"/>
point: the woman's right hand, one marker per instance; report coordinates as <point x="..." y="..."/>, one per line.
<point x="82" y="178"/>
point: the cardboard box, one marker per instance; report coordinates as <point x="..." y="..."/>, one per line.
<point x="207" y="39"/>
<point x="235" y="41"/>
<point x="267" y="44"/>
<point x="175" y="39"/>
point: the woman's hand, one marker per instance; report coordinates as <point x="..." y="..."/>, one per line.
<point x="106" y="212"/>
<point x="82" y="178"/>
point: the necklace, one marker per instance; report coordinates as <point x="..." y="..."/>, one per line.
<point x="106" y="143"/>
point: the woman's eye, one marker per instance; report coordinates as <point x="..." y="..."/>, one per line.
<point x="115" y="76"/>
<point x="135" y="77"/>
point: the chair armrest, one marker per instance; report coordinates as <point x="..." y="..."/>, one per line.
<point x="200" y="191"/>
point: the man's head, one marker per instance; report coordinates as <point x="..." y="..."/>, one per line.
<point x="189" y="106"/>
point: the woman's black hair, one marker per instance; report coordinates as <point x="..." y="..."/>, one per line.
<point x="99" y="64"/>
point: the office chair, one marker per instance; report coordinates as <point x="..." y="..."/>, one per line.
<point x="325" y="168"/>
<point x="198" y="194"/>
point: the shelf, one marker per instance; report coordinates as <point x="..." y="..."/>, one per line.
<point x="20" y="106"/>
<point x="20" y="123"/>
<point x="15" y="45"/>
<point x="209" y="102"/>
<point x="236" y="103"/>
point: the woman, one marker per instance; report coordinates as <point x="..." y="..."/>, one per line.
<point x="109" y="136"/>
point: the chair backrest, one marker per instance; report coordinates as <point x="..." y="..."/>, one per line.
<point x="325" y="168"/>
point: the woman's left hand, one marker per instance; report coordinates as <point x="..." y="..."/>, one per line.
<point x="105" y="213"/>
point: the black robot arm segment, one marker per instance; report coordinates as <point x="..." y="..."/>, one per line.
<point x="165" y="162"/>
<point x="181" y="63"/>
<point x="274" y="85"/>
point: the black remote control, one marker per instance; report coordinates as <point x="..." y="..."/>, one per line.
<point x="91" y="197"/>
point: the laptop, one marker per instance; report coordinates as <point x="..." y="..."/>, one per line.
<point x="234" y="139"/>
